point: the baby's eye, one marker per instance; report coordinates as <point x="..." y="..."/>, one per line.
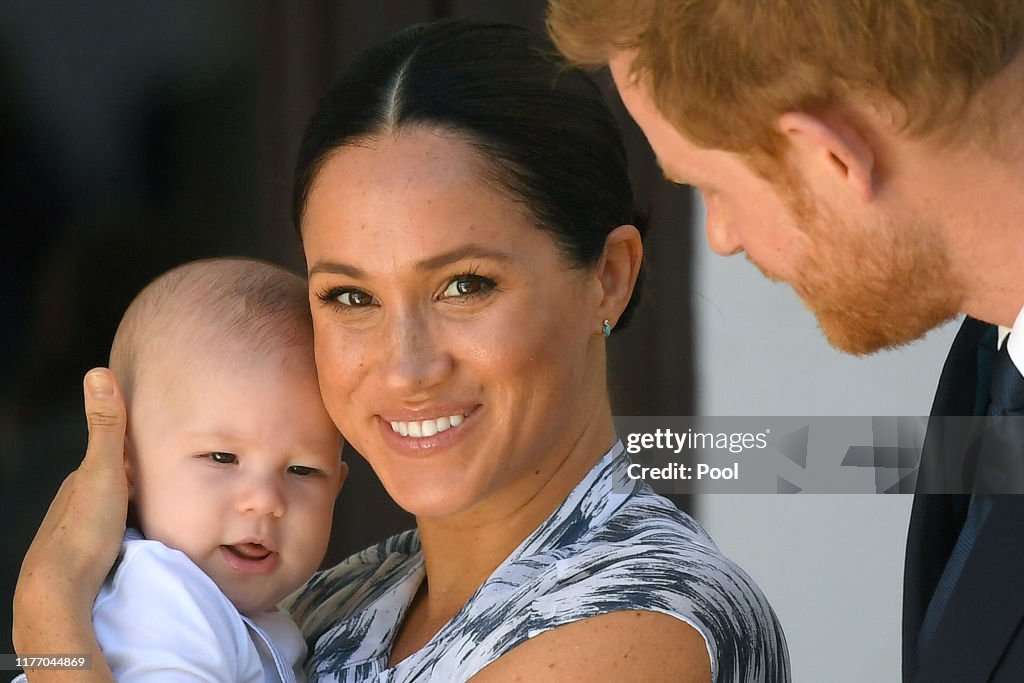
<point x="223" y="458"/>
<point x="468" y="285"/>
<point x="302" y="470"/>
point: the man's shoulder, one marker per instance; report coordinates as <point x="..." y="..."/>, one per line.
<point x="957" y="392"/>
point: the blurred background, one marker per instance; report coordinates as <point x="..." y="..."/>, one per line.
<point x="136" y="136"/>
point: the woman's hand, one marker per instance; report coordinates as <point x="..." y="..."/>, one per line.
<point x="78" y="540"/>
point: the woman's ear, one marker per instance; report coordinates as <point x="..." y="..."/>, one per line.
<point x="831" y="148"/>
<point x="618" y="270"/>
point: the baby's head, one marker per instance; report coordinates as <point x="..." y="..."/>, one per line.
<point x="232" y="458"/>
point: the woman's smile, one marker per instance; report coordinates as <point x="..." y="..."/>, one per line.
<point x="455" y="342"/>
<point x="423" y="423"/>
<point x="430" y="435"/>
<point x="426" y="428"/>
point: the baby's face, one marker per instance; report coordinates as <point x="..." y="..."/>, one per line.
<point x="236" y="464"/>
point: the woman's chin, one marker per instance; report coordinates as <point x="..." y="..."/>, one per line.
<point x="427" y="499"/>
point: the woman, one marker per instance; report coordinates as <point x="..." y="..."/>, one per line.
<point x="471" y="240"/>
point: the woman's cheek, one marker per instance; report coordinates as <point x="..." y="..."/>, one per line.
<point x="335" y="357"/>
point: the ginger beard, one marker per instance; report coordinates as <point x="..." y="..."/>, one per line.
<point x="870" y="288"/>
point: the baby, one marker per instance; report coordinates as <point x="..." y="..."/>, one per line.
<point x="234" y="468"/>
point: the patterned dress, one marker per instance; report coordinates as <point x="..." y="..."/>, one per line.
<point x="612" y="545"/>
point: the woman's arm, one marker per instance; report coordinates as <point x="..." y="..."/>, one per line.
<point x="76" y="544"/>
<point x="645" y="647"/>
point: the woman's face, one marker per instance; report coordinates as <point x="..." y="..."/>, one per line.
<point x="457" y="349"/>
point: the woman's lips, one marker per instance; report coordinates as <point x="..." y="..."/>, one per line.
<point x="417" y="436"/>
<point x="250" y="558"/>
<point x="421" y="428"/>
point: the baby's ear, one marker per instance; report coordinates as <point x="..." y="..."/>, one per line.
<point x="343" y="475"/>
<point x="129" y="460"/>
<point x="133" y="520"/>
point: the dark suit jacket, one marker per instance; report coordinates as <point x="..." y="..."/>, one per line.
<point x="980" y="636"/>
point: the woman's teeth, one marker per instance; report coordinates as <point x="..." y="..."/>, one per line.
<point x="427" y="427"/>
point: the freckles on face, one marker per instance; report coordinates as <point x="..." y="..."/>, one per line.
<point x="453" y="338"/>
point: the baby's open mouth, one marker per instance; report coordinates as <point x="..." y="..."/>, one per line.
<point x="248" y="551"/>
<point x="250" y="558"/>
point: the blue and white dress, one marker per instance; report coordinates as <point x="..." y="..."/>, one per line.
<point x="612" y="545"/>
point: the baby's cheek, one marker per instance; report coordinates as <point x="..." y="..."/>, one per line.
<point x="315" y="531"/>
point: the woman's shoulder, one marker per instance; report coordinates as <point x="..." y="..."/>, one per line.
<point x="651" y="557"/>
<point x="638" y="557"/>
<point x="646" y="543"/>
<point x="647" y="534"/>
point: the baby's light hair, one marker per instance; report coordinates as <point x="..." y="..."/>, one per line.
<point x="235" y="306"/>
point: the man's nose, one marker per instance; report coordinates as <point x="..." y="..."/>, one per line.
<point x="722" y="236"/>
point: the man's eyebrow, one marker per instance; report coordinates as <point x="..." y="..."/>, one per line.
<point x="433" y="263"/>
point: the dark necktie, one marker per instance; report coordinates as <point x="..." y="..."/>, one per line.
<point x="1006" y="400"/>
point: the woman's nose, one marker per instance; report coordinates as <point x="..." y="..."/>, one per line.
<point x="416" y="357"/>
<point x="262" y="496"/>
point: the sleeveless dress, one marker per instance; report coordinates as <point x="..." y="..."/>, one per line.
<point x="612" y="545"/>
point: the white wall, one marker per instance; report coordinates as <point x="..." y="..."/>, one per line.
<point x="832" y="565"/>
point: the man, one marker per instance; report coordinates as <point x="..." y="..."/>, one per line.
<point x="871" y="155"/>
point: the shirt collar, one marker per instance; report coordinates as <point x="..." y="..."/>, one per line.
<point x="1015" y="345"/>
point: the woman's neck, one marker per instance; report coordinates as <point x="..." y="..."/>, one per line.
<point x="462" y="551"/>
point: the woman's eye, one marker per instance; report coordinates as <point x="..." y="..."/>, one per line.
<point x="347" y="297"/>
<point x="354" y="298"/>
<point x="302" y="470"/>
<point x="468" y="285"/>
<point x="223" y="458"/>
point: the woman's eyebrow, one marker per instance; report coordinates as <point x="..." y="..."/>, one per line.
<point x="335" y="268"/>
<point x="464" y="252"/>
<point x="433" y="263"/>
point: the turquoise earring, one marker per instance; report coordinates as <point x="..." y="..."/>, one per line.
<point x="606" y="329"/>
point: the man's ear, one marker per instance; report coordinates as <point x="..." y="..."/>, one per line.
<point x="618" y="270"/>
<point x="832" y="146"/>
